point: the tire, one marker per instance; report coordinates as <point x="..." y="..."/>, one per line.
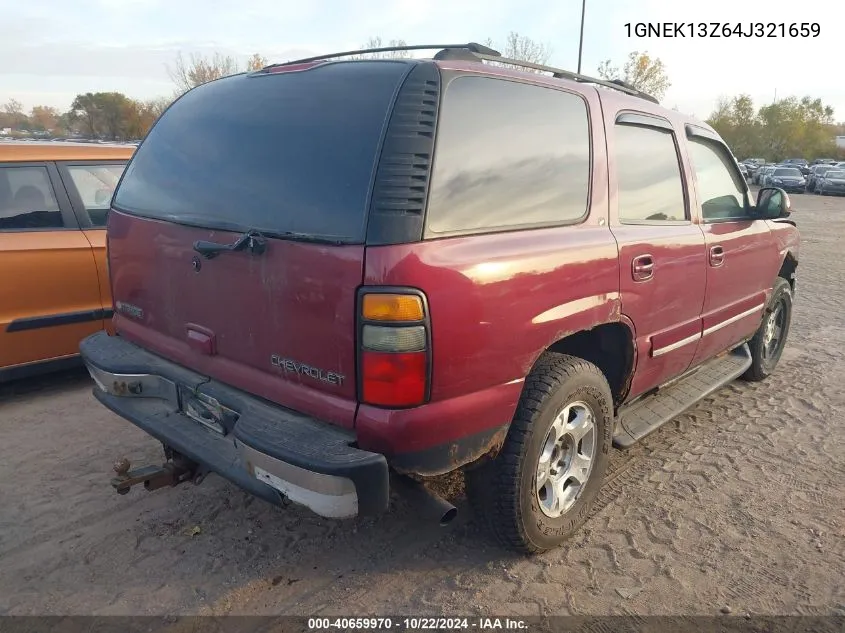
<point x="765" y="352"/>
<point x="504" y="490"/>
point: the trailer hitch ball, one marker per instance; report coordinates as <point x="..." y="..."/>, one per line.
<point x="121" y="467"/>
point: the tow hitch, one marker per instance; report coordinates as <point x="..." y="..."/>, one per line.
<point x="171" y="473"/>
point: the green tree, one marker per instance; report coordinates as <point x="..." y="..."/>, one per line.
<point x="103" y="114"/>
<point x="85" y="110"/>
<point x="114" y="108"/>
<point x="642" y="71"/>
<point x="790" y="127"/>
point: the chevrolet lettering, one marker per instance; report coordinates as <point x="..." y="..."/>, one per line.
<point x="306" y="370"/>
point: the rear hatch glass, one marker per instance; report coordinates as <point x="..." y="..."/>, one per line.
<point x="276" y="152"/>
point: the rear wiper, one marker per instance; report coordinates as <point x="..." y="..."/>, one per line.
<point x="304" y="237"/>
<point x="251" y="240"/>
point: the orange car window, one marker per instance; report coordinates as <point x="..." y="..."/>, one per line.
<point x="27" y="200"/>
<point x="96" y="184"/>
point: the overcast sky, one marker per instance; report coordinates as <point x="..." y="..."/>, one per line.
<point x="53" y="49"/>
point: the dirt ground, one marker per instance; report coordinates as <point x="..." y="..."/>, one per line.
<point x="738" y="504"/>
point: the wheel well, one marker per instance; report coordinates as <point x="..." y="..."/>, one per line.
<point x="787" y="269"/>
<point x="610" y="347"/>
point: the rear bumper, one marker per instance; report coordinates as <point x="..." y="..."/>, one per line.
<point x="268" y="451"/>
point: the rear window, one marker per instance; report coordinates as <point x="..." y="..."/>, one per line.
<point x="287" y="152"/>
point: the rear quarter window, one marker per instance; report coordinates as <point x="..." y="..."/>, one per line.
<point x="508" y="155"/>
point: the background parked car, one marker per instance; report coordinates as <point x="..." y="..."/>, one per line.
<point x="799" y="163"/>
<point x="743" y="170"/>
<point x="832" y="183"/>
<point x="54" y="198"/>
<point x="753" y="164"/>
<point x="788" y="179"/>
<point x="764" y="173"/>
<point x="816" y="171"/>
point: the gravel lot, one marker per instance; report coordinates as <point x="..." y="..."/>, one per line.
<point x="740" y="503"/>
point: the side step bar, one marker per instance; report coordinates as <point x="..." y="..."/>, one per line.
<point x="645" y="416"/>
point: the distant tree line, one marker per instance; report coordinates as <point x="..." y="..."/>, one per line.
<point x="113" y="116"/>
<point x="786" y="128"/>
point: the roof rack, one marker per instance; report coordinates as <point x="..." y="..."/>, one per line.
<point x="471" y="47"/>
<point x="473" y="51"/>
<point x="615" y="84"/>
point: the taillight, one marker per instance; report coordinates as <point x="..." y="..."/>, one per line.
<point x="394" y="348"/>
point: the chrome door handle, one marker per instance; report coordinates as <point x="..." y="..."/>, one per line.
<point x="642" y="268"/>
<point x="717" y="256"/>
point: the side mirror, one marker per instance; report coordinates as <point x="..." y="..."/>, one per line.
<point x="773" y="202"/>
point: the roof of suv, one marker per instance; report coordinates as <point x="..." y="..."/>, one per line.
<point x="56" y="150"/>
<point x="473" y="58"/>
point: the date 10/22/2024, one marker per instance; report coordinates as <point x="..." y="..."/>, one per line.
<point x="722" y="29"/>
<point x="418" y="624"/>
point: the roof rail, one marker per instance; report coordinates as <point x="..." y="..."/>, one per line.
<point x="472" y="51"/>
<point x="471" y="47"/>
<point x="615" y="84"/>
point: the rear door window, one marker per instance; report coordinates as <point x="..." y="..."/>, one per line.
<point x="95" y="185"/>
<point x="648" y="175"/>
<point x="508" y="155"/>
<point x="279" y="152"/>
<point x="27" y="199"/>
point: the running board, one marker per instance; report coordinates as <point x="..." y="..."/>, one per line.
<point x="643" y="417"/>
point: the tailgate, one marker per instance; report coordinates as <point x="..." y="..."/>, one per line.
<point x="290" y="156"/>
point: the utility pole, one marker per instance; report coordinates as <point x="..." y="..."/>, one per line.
<point x="581" y="39"/>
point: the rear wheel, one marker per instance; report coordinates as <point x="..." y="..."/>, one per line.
<point x="768" y="342"/>
<point x="540" y="487"/>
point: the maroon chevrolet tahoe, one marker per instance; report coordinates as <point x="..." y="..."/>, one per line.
<point x="333" y="275"/>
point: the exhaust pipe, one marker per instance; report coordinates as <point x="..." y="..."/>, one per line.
<point x="429" y="503"/>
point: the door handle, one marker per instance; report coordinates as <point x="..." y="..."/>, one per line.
<point x="717" y="256"/>
<point x="642" y="268"/>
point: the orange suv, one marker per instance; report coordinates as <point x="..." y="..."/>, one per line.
<point x="54" y="289"/>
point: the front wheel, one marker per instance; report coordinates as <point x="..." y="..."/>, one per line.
<point x="768" y="342"/>
<point x="540" y="487"/>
